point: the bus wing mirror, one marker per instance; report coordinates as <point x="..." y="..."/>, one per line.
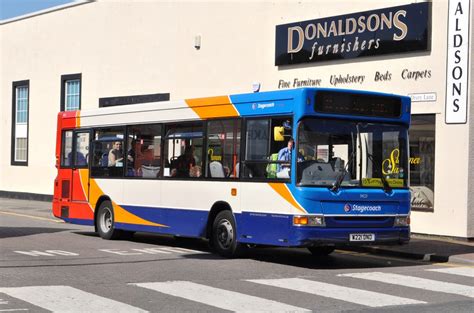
<point x="278" y="132"/>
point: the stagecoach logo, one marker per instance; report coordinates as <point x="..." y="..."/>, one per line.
<point x="262" y="106"/>
<point x="362" y="208"/>
<point x="384" y="31"/>
<point x="347" y="207"/>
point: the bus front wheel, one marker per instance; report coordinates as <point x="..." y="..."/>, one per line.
<point x="224" y="236"/>
<point x="105" y="221"/>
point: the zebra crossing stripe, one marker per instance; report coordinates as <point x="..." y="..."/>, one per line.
<point x="463" y="271"/>
<point x="353" y="295"/>
<point x="67" y="299"/>
<point x="220" y="298"/>
<point x="416" y="282"/>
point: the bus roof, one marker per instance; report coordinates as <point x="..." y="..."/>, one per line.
<point x="280" y="102"/>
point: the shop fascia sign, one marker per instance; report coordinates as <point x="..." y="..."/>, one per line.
<point x="458" y="62"/>
<point x="371" y="33"/>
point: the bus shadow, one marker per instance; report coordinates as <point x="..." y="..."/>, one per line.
<point x="302" y="258"/>
<point x="296" y="257"/>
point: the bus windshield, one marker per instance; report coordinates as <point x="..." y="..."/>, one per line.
<point x="341" y="153"/>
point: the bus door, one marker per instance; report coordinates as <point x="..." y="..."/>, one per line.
<point x="74" y="172"/>
<point x="80" y="170"/>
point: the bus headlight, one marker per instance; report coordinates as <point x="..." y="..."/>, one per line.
<point x="308" y="220"/>
<point x="403" y="221"/>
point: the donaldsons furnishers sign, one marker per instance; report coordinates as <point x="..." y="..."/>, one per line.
<point x="390" y="30"/>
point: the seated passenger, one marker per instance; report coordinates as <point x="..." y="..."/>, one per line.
<point x="195" y="171"/>
<point x="131" y="159"/>
<point x="80" y="159"/>
<point x="185" y="162"/>
<point x="115" y="155"/>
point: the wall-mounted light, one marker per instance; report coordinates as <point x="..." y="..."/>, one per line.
<point x="256" y="86"/>
<point x="197" y="42"/>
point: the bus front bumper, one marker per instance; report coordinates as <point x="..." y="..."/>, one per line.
<point x="319" y="236"/>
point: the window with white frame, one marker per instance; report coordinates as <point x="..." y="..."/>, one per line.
<point x="20" y="123"/>
<point x="71" y="92"/>
<point x="73" y="95"/>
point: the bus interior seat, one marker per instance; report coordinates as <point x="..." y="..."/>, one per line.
<point x="150" y="171"/>
<point x="337" y="164"/>
<point x="216" y="169"/>
<point x="104" y="160"/>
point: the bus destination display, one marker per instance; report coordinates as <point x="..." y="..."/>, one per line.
<point x="357" y="104"/>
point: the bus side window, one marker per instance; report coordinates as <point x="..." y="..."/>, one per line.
<point x="262" y="150"/>
<point x="108" y="153"/>
<point x="82" y="149"/>
<point x="183" y="150"/>
<point x="143" y="151"/>
<point x="223" y="148"/>
<point x="66" y="152"/>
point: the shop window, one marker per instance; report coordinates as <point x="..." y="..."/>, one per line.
<point x="223" y="148"/>
<point x="422" y="161"/>
<point x="144" y="151"/>
<point x="20" y="108"/>
<point x="108" y="153"/>
<point x="71" y="92"/>
<point x="183" y="150"/>
<point x="261" y="160"/>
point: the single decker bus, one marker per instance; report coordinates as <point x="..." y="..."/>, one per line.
<point x="310" y="167"/>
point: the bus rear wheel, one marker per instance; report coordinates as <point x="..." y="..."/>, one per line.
<point x="321" y="251"/>
<point x="224" y="235"/>
<point x="105" y="221"/>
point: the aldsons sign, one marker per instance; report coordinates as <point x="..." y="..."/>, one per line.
<point x="385" y="31"/>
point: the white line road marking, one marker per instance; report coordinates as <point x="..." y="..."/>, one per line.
<point x="33" y="217"/>
<point x="14" y="310"/>
<point x="67" y="299"/>
<point x="416" y="282"/>
<point x="223" y="299"/>
<point x="463" y="271"/>
<point x="120" y="252"/>
<point x="353" y="295"/>
<point x="151" y="251"/>
<point x="157" y="250"/>
<point x="34" y="253"/>
<point x="179" y="250"/>
<point x="47" y="253"/>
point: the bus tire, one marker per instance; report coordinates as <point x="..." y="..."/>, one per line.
<point x="321" y="251"/>
<point x="105" y="222"/>
<point x="224" y="235"/>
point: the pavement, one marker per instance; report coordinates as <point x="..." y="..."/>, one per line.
<point x="421" y="247"/>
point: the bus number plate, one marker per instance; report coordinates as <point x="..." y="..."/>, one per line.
<point x="362" y="237"/>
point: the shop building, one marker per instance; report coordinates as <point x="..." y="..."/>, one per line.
<point x="93" y="54"/>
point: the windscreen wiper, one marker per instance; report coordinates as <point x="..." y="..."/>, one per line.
<point x="340" y="178"/>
